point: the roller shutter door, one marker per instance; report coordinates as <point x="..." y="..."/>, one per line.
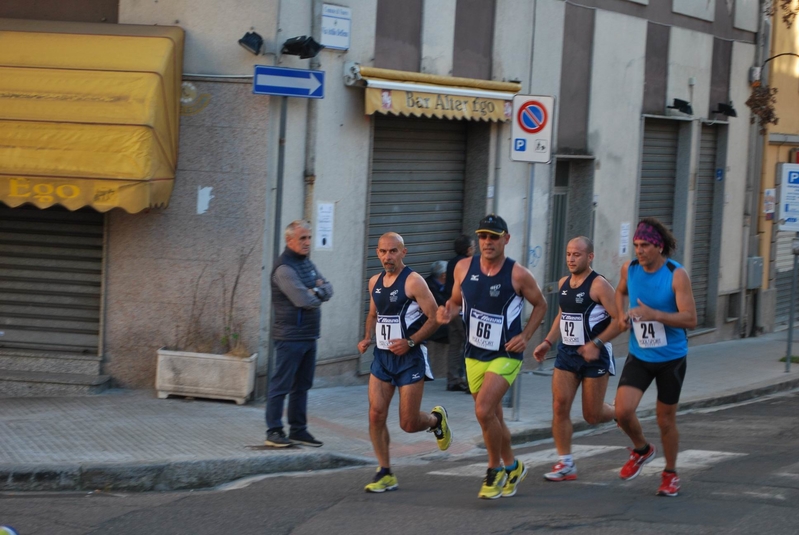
<point x="659" y="170"/>
<point x="416" y="189"/>
<point x="50" y="279"/>
<point x="703" y="222"/>
<point x="784" y="265"/>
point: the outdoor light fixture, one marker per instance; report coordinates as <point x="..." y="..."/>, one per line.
<point x="725" y="109"/>
<point x="252" y="42"/>
<point x="682" y="106"/>
<point x="304" y="47"/>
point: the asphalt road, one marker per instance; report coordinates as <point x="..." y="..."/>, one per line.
<point x="739" y="467"/>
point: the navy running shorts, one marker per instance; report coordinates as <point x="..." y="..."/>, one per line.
<point x="569" y="360"/>
<point x="407" y="369"/>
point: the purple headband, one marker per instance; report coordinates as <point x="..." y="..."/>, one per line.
<point x="648" y="233"/>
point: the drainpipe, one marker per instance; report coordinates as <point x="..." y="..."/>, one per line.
<point x="310" y="127"/>
<point x="753" y="181"/>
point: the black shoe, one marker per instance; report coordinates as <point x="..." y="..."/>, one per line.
<point x="277" y="439"/>
<point x="304" y="438"/>
<point x="460" y="387"/>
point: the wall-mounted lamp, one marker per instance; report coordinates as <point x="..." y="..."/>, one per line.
<point x="305" y="47"/>
<point x="252" y="42"/>
<point x="725" y="109"/>
<point x="682" y="106"/>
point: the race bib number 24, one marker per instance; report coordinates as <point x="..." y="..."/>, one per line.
<point x="650" y="334"/>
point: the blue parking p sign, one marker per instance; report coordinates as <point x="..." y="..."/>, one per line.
<point x="789" y="197"/>
<point x="519" y="144"/>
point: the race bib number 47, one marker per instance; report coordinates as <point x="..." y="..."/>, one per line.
<point x="387" y="328"/>
<point x="650" y="334"/>
<point x="485" y="330"/>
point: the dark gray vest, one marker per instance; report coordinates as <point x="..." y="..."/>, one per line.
<point x="288" y="321"/>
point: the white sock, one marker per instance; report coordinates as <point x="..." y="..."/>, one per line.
<point x="567" y="460"/>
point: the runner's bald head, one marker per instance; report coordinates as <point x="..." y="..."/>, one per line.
<point x="393" y="236"/>
<point x="583" y="242"/>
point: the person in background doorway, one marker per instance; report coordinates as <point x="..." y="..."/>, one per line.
<point x="456" y="363"/>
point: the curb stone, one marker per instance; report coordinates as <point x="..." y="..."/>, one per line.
<point x="169" y="476"/>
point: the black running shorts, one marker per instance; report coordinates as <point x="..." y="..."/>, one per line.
<point x="668" y="377"/>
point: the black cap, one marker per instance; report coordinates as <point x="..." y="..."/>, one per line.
<point x="494" y="224"/>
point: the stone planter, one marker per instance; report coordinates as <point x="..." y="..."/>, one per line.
<point x="205" y="375"/>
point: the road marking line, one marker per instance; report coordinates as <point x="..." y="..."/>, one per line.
<point x="544" y="457"/>
<point x="691" y="460"/>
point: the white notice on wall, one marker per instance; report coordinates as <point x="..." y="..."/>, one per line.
<point x="624" y="239"/>
<point x="324" y="225"/>
<point x="336" y="22"/>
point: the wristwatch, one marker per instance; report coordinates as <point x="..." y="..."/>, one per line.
<point x="597" y="342"/>
<point x="411" y="343"/>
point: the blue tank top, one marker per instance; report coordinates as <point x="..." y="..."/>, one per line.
<point x="398" y="316"/>
<point x="655" y="291"/>
<point x="491" y="310"/>
<point x="577" y="308"/>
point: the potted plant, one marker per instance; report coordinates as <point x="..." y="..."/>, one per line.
<point x="210" y="363"/>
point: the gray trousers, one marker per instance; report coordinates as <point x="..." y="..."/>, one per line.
<point x="456" y="365"/>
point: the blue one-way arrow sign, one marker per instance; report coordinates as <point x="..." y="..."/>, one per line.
<point x="286" y="82"/>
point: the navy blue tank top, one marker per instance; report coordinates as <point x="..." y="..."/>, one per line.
<point x="398" y="316"/>
<point x="491" y="310"/>
<point x="581" y="318"/>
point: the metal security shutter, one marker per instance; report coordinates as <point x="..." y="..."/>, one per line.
<point x="416" y="189"/>
<point x="784" y="266"/>
<point x="659" y="170"/>
<point x="50" y="279"/>
<point x="703" y="222"/>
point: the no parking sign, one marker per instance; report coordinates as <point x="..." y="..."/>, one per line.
<point x="531" y="132"/>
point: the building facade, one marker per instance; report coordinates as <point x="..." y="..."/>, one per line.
<point x="414" y="135"/>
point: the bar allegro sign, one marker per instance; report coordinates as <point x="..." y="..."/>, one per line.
<point x="401" y="102"/>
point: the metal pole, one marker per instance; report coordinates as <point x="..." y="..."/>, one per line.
<point x="791" y="314"/>
<point x="277" y="239"/>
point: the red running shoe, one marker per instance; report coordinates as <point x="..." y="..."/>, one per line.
<point x="669" y="484"/>
<point x="636" y="463"/>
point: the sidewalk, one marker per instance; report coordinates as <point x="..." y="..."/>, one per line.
<point x="129" y="440"/>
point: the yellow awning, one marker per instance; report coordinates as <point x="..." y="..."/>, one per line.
<point x="425" y="95"/>
<point x="88" y="114"/>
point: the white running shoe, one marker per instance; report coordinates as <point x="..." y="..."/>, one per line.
<point x="562" y="472"/>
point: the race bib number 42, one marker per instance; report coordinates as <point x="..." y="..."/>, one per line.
<point x="485" y="330"/>
<point x="571" y="329"/>
<point x="387" y="328"/>
<point x="650" y="334"/>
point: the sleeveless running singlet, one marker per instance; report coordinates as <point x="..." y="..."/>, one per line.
<point x="652" y="341"/>
<point x="581" y="318"/>
<point x="398" y="316"/>
<point x="491" y="310"/>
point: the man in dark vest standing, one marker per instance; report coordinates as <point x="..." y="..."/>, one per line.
<point x="298" y="291"/>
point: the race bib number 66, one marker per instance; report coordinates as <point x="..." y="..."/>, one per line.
<point x="485" y="330"/>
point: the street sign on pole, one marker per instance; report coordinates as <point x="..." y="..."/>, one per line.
<point x="531" y="130"/>
<point x="789" y="197"/>
<point x="286" y="82"/>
